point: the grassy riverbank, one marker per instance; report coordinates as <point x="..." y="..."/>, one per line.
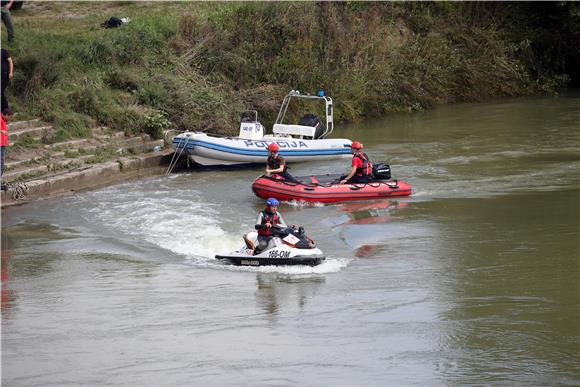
<point x="199" y="65"/>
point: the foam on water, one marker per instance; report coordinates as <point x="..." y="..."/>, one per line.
<point x="181" y="223"/>
<point x="178" y="224"/>
<point x="299" y="203"/>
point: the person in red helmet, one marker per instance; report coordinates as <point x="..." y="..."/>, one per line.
<point x="361" y="171"/>
<point x="276" y="164"/>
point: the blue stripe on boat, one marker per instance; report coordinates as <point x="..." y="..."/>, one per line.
<point x="250" y="152"/>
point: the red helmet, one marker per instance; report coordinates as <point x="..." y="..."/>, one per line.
<point x="356" y="145"/>
<point x="273" y="147"/>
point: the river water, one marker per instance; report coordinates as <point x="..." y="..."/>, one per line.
<point x="472" y="279"/>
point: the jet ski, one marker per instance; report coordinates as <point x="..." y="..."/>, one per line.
<point x="288" y="246"/>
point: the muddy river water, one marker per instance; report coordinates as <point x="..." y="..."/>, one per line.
<point x="472" y="279"/>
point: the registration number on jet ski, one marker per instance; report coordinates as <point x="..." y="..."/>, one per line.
<point x="279" y="254"/>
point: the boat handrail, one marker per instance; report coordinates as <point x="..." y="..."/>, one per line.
<point x="328" y="111"/>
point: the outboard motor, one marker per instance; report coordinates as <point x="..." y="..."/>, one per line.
<point x="381" y="171"/>
<point x="250" y="127"/>
<point x="314" y="121"/>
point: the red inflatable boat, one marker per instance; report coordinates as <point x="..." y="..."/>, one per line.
<point x="326" y="189"/>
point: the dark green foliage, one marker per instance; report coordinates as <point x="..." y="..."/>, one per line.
<point x="203" y="64"/>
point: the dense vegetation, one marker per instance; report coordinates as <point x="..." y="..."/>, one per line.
<point x="199" y="65"/>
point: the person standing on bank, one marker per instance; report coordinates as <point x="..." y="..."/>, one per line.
<point x="3" y="145"/>
<point x="361" y="171"/>
<point x="264" y="222"/>
<point x="276" y="164"/>
<point x="7" y="19"/>
<point x="7" y="70"/>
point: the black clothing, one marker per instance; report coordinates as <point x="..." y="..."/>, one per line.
<point x="263" y="242"/>
<point x="5" y="107"/>
<point x="359" y="179"/>
<point x="288" y="177"/>
<point x="355" y="179"/>
<point x="4" y="64"/>
<point x="265" y="234"/>
<point x="5" y="70"/>
<point x="274" y="162"/>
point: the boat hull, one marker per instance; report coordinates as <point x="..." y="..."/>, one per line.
<point x="210" y="150"/>
<point x="245" y="260"/>
<point x="267" y="187"/>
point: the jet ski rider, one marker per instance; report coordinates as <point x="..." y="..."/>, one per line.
<point x="276" y="164"/>
<point x="361" y="171"/>
<point x="266" y="219"/>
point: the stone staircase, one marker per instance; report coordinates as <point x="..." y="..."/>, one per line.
<point x="32" y="153"/>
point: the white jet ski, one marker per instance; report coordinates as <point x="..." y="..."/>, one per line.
<point x="289" y="246"/>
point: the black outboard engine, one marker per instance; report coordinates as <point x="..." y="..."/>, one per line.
<point x="313" y="120"/>
<point x="248" y="117"/>
<point x="381" y="171"/>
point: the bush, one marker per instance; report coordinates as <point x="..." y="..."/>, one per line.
<point x="156" y="123"/>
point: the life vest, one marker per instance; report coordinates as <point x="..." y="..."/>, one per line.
<point x="268" y="218"/>
<point x="367" y="167"/>
<point x="274" y="163"/>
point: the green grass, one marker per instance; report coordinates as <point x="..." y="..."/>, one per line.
<point x="102" y="154"/>
<point x="197" y="66"/>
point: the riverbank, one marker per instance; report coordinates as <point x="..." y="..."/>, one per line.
<point x="40" y="164"/>
<point x="85" y="178"/>
<point x="197" y="66"/>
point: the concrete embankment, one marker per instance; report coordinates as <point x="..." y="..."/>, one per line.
<point x="87" y="178"/>
<point x="38" y="166"/>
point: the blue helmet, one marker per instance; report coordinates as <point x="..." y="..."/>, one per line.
<point x="272" y="202"/>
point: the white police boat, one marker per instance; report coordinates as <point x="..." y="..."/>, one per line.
<point x="288" y="246"/>
<point x="306" y="140"/>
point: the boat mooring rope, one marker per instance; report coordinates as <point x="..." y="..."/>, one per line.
<point x="19" y="190"/>
<point x="176" y="156"/>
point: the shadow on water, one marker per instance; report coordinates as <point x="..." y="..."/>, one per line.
<point x="40" y="232"/>
<point x="364" y="226"/>
<point x="8" y="296"/>
<point x="274" y="290"/>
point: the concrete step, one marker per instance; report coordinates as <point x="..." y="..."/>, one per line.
<point x="135" y="140"/>
<point x="143" y="147"/>
<point x="88" y="177"/>
<point x="70" y="144"/>
<point x="109" y="136"/>
<point x="69" y="163"/>
<point x="45" y="167"/>
<point x="36" y="133"/>
<point x="25" y="173"/>
<point x="13" y="165"/>
<point x="99" y="130"/>
<point x="17" y="125"/>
